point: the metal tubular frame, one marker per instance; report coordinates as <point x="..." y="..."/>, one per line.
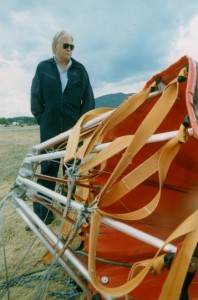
<point x="159" y="137"/>
<point x="131" y="231"/>
<point x="24" y="182"/>
<point x="90" y="124"/>
<point x="35" y="224"/>
<point x="63" y="136"/>
<point x="22" y="210"/>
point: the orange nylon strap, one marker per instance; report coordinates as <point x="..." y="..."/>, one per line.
<point x="115" y="147"/>
<point x="116" y="291"/>
<point x="75" y="132"/>
<point x="160" y="162"/>
<point x="173" y="285"/>
<point x="188" y="228"/>
<point x="118" y="115"/>
<point x="145" y="130"/>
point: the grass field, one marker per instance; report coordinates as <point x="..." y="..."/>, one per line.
<point x="15" y="143"/>
<point x="20" y="251"/>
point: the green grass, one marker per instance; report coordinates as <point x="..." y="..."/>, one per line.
<point x="15" y="144"/>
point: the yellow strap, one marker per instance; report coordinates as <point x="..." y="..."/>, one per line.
<point x="113" y="148"/>
<point x="116" y="291"/>
<point x="188" y="228"/>
<point x="75" y="132"/>
<point x="173" y="285"/>
<point x="163" y="157"/>
<point x="118" y="115"/>
<point x="145" y="130"/>
<point x="160" y="162"/>
<point x="146" y="169"/>
<point x="151" y="206"/>
<point x="166" y="155"/>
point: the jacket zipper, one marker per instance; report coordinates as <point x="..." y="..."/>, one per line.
<point x="62" y="113"/>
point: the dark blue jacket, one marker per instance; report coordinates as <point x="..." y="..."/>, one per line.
<point x="58" y="111"/>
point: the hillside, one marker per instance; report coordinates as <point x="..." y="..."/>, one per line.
<point x="111" y="100"/>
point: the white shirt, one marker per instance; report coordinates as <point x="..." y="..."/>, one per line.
<point x="63" y="73"/>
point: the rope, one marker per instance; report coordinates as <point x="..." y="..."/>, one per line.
<point x="4" y="248"/>
<point x="8" y="282"/>
<point x="106" y="261"/>
<point x="29" y="280"/>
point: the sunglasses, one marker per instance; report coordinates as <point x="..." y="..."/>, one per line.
<point x="66" y="46"/>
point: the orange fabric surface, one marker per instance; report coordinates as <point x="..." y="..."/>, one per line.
<point x="178" y="199"/>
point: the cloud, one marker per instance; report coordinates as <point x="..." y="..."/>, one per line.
<point x="122" y="44"/>
<point x="186" y="41"/>
<point x="13" y="95"/>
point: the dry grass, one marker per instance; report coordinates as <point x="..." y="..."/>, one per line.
<point x="23" y="252"/>
<point x="15" y="143"/>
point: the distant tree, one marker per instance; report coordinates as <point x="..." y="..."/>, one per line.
<point x="29" y="121"/>
<point x="4" y="121"/>
<point x="20" y="122"/>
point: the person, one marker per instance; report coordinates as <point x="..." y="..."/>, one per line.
<point x="61" y="93"/>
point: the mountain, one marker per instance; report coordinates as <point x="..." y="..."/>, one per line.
<point x="111" y="100"/>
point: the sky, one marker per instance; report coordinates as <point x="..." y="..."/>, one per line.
<point x="121" y="43"/>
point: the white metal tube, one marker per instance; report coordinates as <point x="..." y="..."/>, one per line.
<point x="71" y="273"/>
<point x="138" y="234"/>
<point x="46" y="156"/>
<point x="79" y="265"/>
<point x="61" y="137"/>
<point x="68" y="254"/>
<point x="165" y="136"/>
<point x="39" y="188"/>
<point x="158" y="137"/>
<point x="149" y="239"/>
<point x="53" y="141"/>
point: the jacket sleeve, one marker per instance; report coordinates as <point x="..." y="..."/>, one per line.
<point x="37" y="102"/>
<point x="88" y="100"/>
